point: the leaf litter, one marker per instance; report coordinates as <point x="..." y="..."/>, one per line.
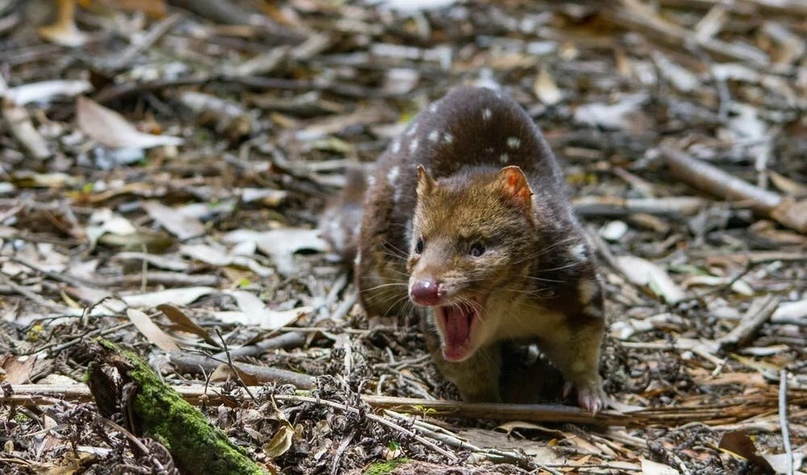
<point x="162" y="185"/>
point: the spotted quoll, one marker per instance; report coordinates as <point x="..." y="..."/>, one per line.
<point x="466" y="219"/>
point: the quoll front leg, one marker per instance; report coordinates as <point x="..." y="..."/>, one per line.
<point x="575" y="350"/>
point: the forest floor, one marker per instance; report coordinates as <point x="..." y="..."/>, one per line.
<point x="162" y="191"/>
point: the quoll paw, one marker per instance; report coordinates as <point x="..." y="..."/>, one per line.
<point x="590" y="397"/>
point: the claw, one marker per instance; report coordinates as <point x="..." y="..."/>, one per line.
<point x="592" y="401"/>
<point x="567" y="389"/>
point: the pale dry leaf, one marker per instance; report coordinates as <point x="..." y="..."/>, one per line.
<point x="546" y="89"/>
<point x="281" y="244"/>
<point x="644" y="273"/>
<point x="209" y="254"/>
<point x="175" y="222"/>
<point x="779" y="461"/>
<point x="654" y="468"/>
<point x="268" y="319"/>
<point x="111" y="129"/>
<point x="216" y="256"/>
<point x="739" y="286"/>
<point x="159" y="261"/>
<point x="247" y="301"/>
<point x="623" y="115"/>
<point x="151" y="331"/>
<point x="680" y="78"/>
<point x="105" y="221"/>
<point x="45" y="91"/>
<point x="267" y="197"/>
<point x="412" y="6"/>
<point x="788" y="311"/>
<point x="178" y="296"/>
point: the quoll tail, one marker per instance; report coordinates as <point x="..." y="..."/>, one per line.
<point x="341" y="221"/>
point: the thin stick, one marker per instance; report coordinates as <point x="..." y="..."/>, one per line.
<point x="783" y="419"/>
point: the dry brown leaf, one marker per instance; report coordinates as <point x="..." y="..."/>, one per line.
<point x="224" y="372"/>
<point x="792" y="214"/>
<point x="184" y="323"/>
<point x="109" y="128"/>
<point x="738" y="443"/>
<point x="281" y="440"/>
<point x="787" y="186"/>
<point x="64" y="31"/>
<point x="151" y="331"/>
<point x="17" y="368"/>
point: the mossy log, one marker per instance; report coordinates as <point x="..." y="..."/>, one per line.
<point x="121" y="382"/>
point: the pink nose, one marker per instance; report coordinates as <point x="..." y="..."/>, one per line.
<point x="426" y="292"/>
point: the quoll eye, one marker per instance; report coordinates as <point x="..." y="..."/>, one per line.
<point x="419" y="246"/>
<point x="477" y="249"/>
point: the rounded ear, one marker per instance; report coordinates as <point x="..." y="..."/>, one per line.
<point x="513" y="183"/>
<point x="425" y="181"/>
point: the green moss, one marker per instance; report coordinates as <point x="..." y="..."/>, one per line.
<point x="162" y="413"/>
<point x="383" y="468"/>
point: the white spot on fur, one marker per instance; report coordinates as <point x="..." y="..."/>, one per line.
<point x="370" y="181"/>
<point x="412" y="129"/>
<point x="392" y="175"/>
<point x="513" y="142"/>
<point x="587" y="289"/>
<point x="433" y="108"/>
<point x="486" y="114"/>
<point x="448" y="138"/>
<point x="396" y="146"/>
<point x="357" y="260"/>
<point x="504" y="158"/>
<point x="592" y="310"/>
<point x="413" y="145"/>
<point x="579" y="253"/>
<point x="434" y="135"/>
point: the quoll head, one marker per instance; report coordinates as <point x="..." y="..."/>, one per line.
<point x="468" y="231"/>
<point x="470" y="234"/>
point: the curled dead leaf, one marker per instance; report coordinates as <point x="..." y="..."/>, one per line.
<point x="111" y="129"/>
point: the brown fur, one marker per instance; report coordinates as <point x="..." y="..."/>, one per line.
<point x="473" y="168"/>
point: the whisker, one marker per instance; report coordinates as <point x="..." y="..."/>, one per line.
<point x="577" y="263"/>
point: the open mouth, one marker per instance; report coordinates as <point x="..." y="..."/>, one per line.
<point x="458" y="322"/>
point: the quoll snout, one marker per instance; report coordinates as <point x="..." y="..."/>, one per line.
<point x="427" y="292"/>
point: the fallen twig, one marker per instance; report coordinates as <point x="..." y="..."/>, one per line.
<point x="194" y="363"/>
<point x="759" y="313"/>
<point x="783" y="419"/>
<point x="710" y="179"/>
<point x="728" y="410"/>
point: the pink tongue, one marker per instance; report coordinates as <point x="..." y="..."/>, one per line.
<point x="458" y="326"/>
